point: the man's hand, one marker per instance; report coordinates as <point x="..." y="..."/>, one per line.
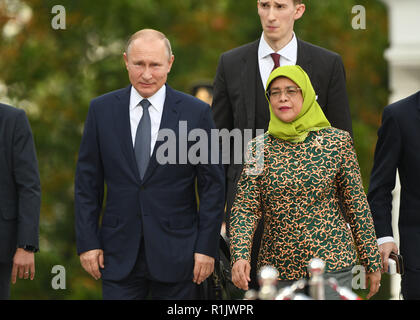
<point x="23" y="265"/>
<point x="385" y="249"/>
<point x="91" y="261"/>
<point x="374" y="281"/>
<point x="203" y="267"/>
<point x="241" y="274"/>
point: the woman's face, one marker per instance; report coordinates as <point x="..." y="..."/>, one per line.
<point x="286" y="99"/>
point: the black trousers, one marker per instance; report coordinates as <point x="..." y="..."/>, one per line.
<point x="255" y="250"/>
<point x="139" y="285"/>
<point x="410" y="284"/>
<point x="5" y="276"/>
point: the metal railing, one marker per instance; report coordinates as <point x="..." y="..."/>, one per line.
<point x="268" y="278"/>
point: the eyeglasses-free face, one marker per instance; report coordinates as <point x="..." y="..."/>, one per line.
<point x="286" y="99"/>
<point x="148" y="65"/>
<point x="277" y="20"/>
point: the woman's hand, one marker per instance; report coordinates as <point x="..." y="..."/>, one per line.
<point x="373" y="279"/>
<point x="241" y="274"/>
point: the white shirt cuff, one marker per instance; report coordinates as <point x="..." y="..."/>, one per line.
<point x="385" y="240"/>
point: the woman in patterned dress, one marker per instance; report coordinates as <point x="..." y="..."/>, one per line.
<point x="301" y="172"/>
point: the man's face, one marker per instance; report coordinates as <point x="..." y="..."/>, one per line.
<point x="148" y="64"/>
<point x="278" y="18"/>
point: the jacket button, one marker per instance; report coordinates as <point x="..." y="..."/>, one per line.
<point x="298" y="232"/>
<point x="142" y="188"/>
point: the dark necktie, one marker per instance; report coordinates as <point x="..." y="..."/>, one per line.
<point x="276" y="59"/>
<point x="143" y="139"/>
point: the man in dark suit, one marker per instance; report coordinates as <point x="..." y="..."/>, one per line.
<point x="398" y="147"/>
<point x="153" y="241"/>
<point x="20" y="199"/>
<point x="242" y="73"/>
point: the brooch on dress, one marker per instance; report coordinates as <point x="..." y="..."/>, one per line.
<point x="318" y="141"/>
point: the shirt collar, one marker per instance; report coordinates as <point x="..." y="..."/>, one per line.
<point x="157" y="100"/>
<point x="288" y="52"/>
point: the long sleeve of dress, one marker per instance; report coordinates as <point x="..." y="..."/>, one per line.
<point x="246" y="209"/>
<point x="357" y="208"/>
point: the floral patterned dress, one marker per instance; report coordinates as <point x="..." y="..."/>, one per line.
<point x="298" y="189"/>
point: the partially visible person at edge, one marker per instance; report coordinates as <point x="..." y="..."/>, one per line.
<point x="20" y="199"/>
<point x="307" y="163"/>
<point x="398" y="148"/>
<point x="241" y="77"/>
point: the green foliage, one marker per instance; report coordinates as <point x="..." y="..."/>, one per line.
<point x="53" y="75"/>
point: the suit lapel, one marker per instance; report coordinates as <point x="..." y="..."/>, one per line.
<point x="418" y="106"/>
<point x="304" y="58"/>
<point x="418" y="100"/>
<point x="169" y="120"/>
<point x="121" y="112"/>
<point x="248" y="85"/>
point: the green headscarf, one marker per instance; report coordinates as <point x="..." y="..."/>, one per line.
<point x="310" y="118"/>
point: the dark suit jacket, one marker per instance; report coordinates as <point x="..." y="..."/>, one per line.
<point x="161" y="208"/>
<point x="20" y="191"/>
<point x="235" y="92"/>
<point x="398" y="147"/>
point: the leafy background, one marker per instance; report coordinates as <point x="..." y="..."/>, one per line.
<point x="53" y="75"/>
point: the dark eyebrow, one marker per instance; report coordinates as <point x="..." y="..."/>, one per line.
<point x="280" y="4"/>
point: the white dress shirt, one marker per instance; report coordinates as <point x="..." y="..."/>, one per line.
<point x="385" y="240"/>
<point x="288" y="57"/>
<point x="155" y="110"/>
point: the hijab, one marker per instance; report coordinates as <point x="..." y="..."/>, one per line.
<point x="310" y="118"/>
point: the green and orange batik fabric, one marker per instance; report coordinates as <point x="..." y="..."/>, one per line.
<point x="298" y="190"/>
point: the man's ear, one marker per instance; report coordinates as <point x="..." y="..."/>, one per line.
<point x="171" y="62"/>
<point x="300" y="9"/>
<point x="125" y="59"/>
